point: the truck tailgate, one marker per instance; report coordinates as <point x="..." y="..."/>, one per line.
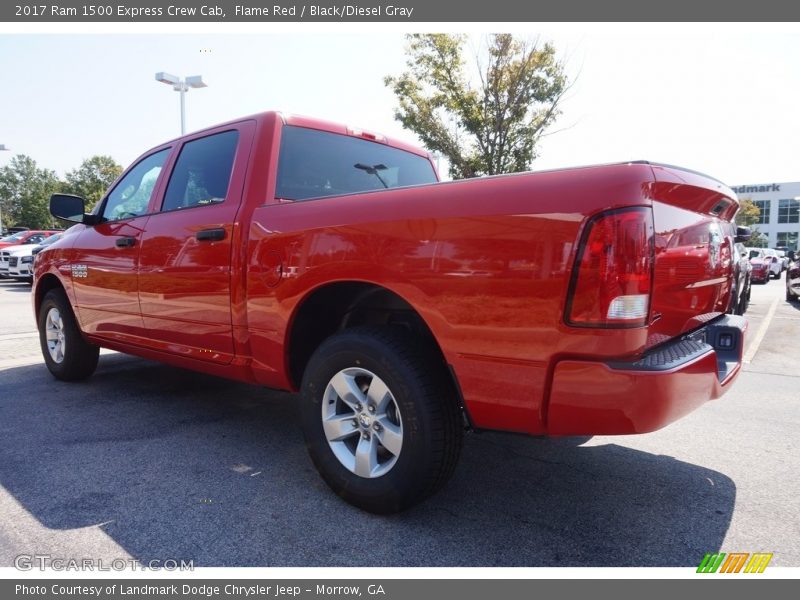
<point x="694" y="239"/>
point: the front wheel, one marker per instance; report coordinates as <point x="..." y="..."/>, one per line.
<point x="67" y="355"/>
<point x="380" y="418"/>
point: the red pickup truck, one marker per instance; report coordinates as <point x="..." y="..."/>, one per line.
<point x="307" y="256"/>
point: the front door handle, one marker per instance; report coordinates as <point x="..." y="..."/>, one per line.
<point x="125" y="242"/>
<point x="210" y="235"/>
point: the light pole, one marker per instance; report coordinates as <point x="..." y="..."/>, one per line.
<point x="182" y="86"/>
<point x="2" y="149"/>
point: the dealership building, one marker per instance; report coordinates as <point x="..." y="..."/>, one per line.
<point x="779" y="221"/>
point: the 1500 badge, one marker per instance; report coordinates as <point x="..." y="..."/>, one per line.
<point x="79" y="271"/>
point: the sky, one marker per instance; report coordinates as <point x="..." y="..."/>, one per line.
<point x="721" y="99"/>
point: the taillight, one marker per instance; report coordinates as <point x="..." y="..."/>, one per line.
<point x="613" y="273"/>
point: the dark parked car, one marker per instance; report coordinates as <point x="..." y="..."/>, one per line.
<point x="793" y="278"/>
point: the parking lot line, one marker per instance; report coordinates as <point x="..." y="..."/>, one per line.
<point x="762" y="331"/>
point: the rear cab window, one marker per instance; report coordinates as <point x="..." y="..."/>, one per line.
<point x="317" y="164"/>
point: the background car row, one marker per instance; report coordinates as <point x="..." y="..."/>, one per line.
<point x="767" y="263"/>
<point x="17" y="252"/>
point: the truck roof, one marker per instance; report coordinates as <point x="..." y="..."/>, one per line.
<point x="320" y="124"/>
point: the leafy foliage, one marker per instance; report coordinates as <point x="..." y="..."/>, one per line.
<point x="748" y="216"/>
<point x="25" y="193"/>
<point x="92" y="178"/>
<point x="485" y="130"/>
<point x="25" y="188"/>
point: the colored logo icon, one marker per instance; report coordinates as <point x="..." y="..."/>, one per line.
<point x="735" y="562"/>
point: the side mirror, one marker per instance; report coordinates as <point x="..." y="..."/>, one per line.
<point x="792" y="256"/>
<point x="70" y="208"/>
<point x="742" y="235"/>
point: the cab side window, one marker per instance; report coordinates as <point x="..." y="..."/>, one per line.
<point x="202" y="172"/>
<point x="131" y="196"/>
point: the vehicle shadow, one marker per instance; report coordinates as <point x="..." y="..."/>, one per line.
<point x="15" y="286"/>
<point x="177" y="465"/>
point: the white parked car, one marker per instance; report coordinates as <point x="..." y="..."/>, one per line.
<point x="18" y="262"/>
<point x="4" y="254"/>
<point x="775" y="262"/>
<point x="20" y="258"/>
<point x="783" y="258"/>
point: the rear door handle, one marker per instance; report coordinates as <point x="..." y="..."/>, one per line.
<point x="210" y="235"/>
<point x="125" y="242"/>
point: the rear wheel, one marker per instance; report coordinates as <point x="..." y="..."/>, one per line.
<point x="380" y="418"/>
<point x="745" y="298"/>
<point x="741" y="299"/>
<point x="735" y="301"/>
<point x="67" y="355"/>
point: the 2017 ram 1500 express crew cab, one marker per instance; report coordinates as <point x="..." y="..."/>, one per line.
<point x="302" y="255"/>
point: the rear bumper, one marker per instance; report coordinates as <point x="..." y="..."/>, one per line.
<point x="612" y="398"/>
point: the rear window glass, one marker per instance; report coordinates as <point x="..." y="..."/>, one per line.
<point x="315" y="164"/>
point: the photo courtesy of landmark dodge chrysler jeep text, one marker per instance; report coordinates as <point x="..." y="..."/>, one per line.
<point x="303" y="255"/>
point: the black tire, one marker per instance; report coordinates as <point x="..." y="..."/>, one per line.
<point x="744" y="302"/>
<point x="426" y="414"/>
<point x="741" y="299"/>
<point x="735" y="300"/>
<point x="78" y="357"/>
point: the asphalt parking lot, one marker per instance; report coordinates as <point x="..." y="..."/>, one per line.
<point x="150" y="462"/>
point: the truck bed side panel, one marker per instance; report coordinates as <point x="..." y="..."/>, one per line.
<point x="490" y="286"/>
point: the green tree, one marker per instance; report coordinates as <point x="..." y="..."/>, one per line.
<point x="748" y="216"/>
<point x="92" y="178"/>
<point x="25" y="193"/>
<point x="485" y="129"/>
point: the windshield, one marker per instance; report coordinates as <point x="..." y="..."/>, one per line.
<point x="51" y="239"/>
<point x="315" y="164"/>
<point x="14" y="238"/>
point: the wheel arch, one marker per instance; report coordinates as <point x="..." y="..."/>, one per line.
<point x="46" y="282"/>
<point x="340" y="305"/>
